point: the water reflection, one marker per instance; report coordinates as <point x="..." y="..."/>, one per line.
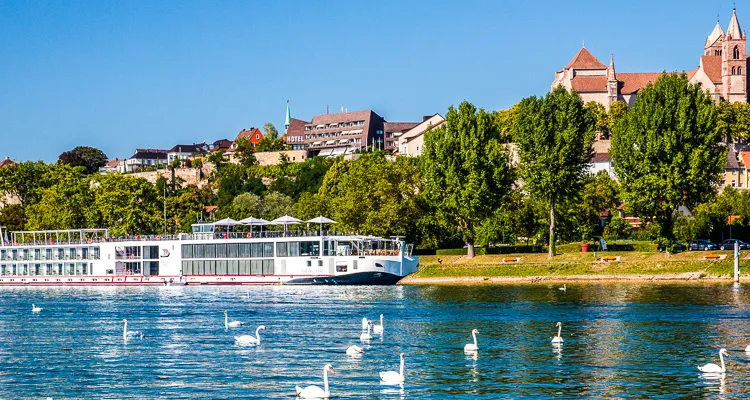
<point x="620" y="341"/>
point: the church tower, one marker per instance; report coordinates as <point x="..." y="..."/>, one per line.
<point x="612" y="81"/>
<point x="734" y="62"/>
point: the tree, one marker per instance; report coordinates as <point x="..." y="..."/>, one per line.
<point x="467" y="172"/>
<point x="12" y="217"/>
<point x="90" y="158"/>
<point x="275" y="205"/>
<point x="270" y="131"/>
<point x="370" y="195"/>
<point x="126" y="205"/>
<point x="555" y="136"/>
<point x="617" y="111"/>
<point x="733" y="121"/>
<point x="25" y="181"/>
<point x="65" y="204"/>
<point x="666" y="150"/>
<point x="246" y="205"/>
<point x="617" y="227"/>
<point x="504" y="121"/>
<point x="600" y="193"/>
<point x="601" y="118"/>
<point x="244" y="152"/>
<point x="234" y="179"/>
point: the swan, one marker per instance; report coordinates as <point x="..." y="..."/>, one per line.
<point x="365" y="321"/>
<point x="558" y="338"/>
<point x="315" y="392"/>
<point x="378" y="329"/>
<point x="472" y="346"/>
<point x="248" y="339"/>
<point x="126" y="334"/>
<point x="354" y="350"/>
<point x="563" y="288"/>
<point x="747" y="349"/>
<point x="393" y="377"/>
<point x="366" y="335"/>
<point x="35" y="308"/>
<point x="232" y="324"/>
<point x="713" y="368"/>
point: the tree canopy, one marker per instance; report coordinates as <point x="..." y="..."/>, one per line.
<point x="466" y="170"/>
<point x="666" y="150"/>
<point x="554" y="135"/>
<point x="90" y="158"/>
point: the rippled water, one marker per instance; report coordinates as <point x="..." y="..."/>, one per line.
<point x="641" y="341"/>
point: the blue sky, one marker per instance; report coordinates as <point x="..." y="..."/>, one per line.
<point x="124" y="74"/>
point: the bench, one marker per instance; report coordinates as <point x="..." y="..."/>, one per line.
<point x="610" y="258"/>
<point x="511" y="260"/>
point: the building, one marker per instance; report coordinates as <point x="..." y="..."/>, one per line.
<point x="187" y="151"/>
<point x="294" y="134"/>
<point x="721" y="70"/>
<point x="254" y="135"/>
<point x="6" y="162"/>
<point x="145" y="158"/>
<point x="220" y="145"/>
<point x="411" y="142"/>
<point x="392" y="130"/>
<point x="331" y="135"/>
<point x="734" y="170"/>
<point x="113" y="166"/>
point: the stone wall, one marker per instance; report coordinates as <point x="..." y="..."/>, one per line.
<point x="191" y="176"/>
<point x="273" y="157"/>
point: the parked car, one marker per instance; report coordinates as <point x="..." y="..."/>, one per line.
<point x="729" y="244"/>
<point x="702" y="244"/>
<point x="677" y="246"/>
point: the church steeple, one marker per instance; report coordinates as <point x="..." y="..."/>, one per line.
<point x="611" y="70"/>
<point x="288" y="118"/>
<point x="734" y="31"/>
<point x="612" y="84"/>
<point x="715" y="35"/>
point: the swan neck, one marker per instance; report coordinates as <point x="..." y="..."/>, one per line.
<point x="369" y="328"/>
<point x="257" y="334"/>
<point x="721" y="357"/>
<point x="401" y="370"/>
<point x="381" y="320"/>
<point x="559" y="330"/>
<point x="474" y="335"/>
<point x="125" y="329"/>
<point x="226" y="320"/>
<point x="325" y="380"/>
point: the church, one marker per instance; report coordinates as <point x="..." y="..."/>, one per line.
<point x="722" y="71"/>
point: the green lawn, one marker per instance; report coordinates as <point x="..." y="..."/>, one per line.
<point x="630" y="263"/>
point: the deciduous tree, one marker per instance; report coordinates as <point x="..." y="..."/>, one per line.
<point x="666" y="150"/>
<point x="90" y="158"/>
<point x="554" y="134"/>
<point x="466" y="171"/>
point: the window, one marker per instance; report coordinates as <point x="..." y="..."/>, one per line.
<point x="736" y="53"/>
<point x="733" y="183"/>
<point x="739" y="70"/>
<point x="734" y="72"/>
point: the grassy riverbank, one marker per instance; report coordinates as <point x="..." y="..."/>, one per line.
<point x="629" y="265"/>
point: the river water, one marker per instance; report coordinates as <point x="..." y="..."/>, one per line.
<point x="620" y="341"/>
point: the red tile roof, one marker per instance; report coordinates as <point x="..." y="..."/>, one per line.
<point x="585" y="60"/>
<point x="633" y="82"/>
<point x="712" y="67"/>
<point x="6" y="162"/>
<point x="745" y="158"/>
<point x="589" y="84"/>
<point x="601" y="157"/>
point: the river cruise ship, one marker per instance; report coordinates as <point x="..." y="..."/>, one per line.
<point x="215" y="253"/>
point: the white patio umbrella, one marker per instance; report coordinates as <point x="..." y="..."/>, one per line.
<point x="321" y="220"/>
<point x="226" y="222"/>
<point x="254" y="221"/>
<point x="285" y="220"/>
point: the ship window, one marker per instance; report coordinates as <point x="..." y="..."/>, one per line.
<point x="257" y="267"/>
<point x="221" y="251"/>
<point x="244" y="250"/>
<point x="234" y="267"/>
<point x="281" y="249"/>
<point x="245" y="267"/>
<point x="187" y="251"/>
<point x="233" y="250"/>
<point x="257" y="250"/>
<point x="268" y="267"/>
<point x="267" y="249"/>
<point x="221" y="267"/>
<point x="341" y="268"/>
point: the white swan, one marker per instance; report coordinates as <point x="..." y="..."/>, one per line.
<point x="747" y="349"/>
<point x="393" y="377"/>
<point x="558" y="338"/>
<point x="365" y="321"/>
<point x="315" y="392"/>
<point x="248" y="339"/>
<point x="378" y="329"/>
<point x="354" y="350"/>
<point x="233" y="324"/>
<point x="472" y="346"/>
<point x="713" y="368"/>
<point x="35" y="308"/>
<point x="563" y="288"/>
<point x="126" y="334"/>
<point x="366" y="335"/>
